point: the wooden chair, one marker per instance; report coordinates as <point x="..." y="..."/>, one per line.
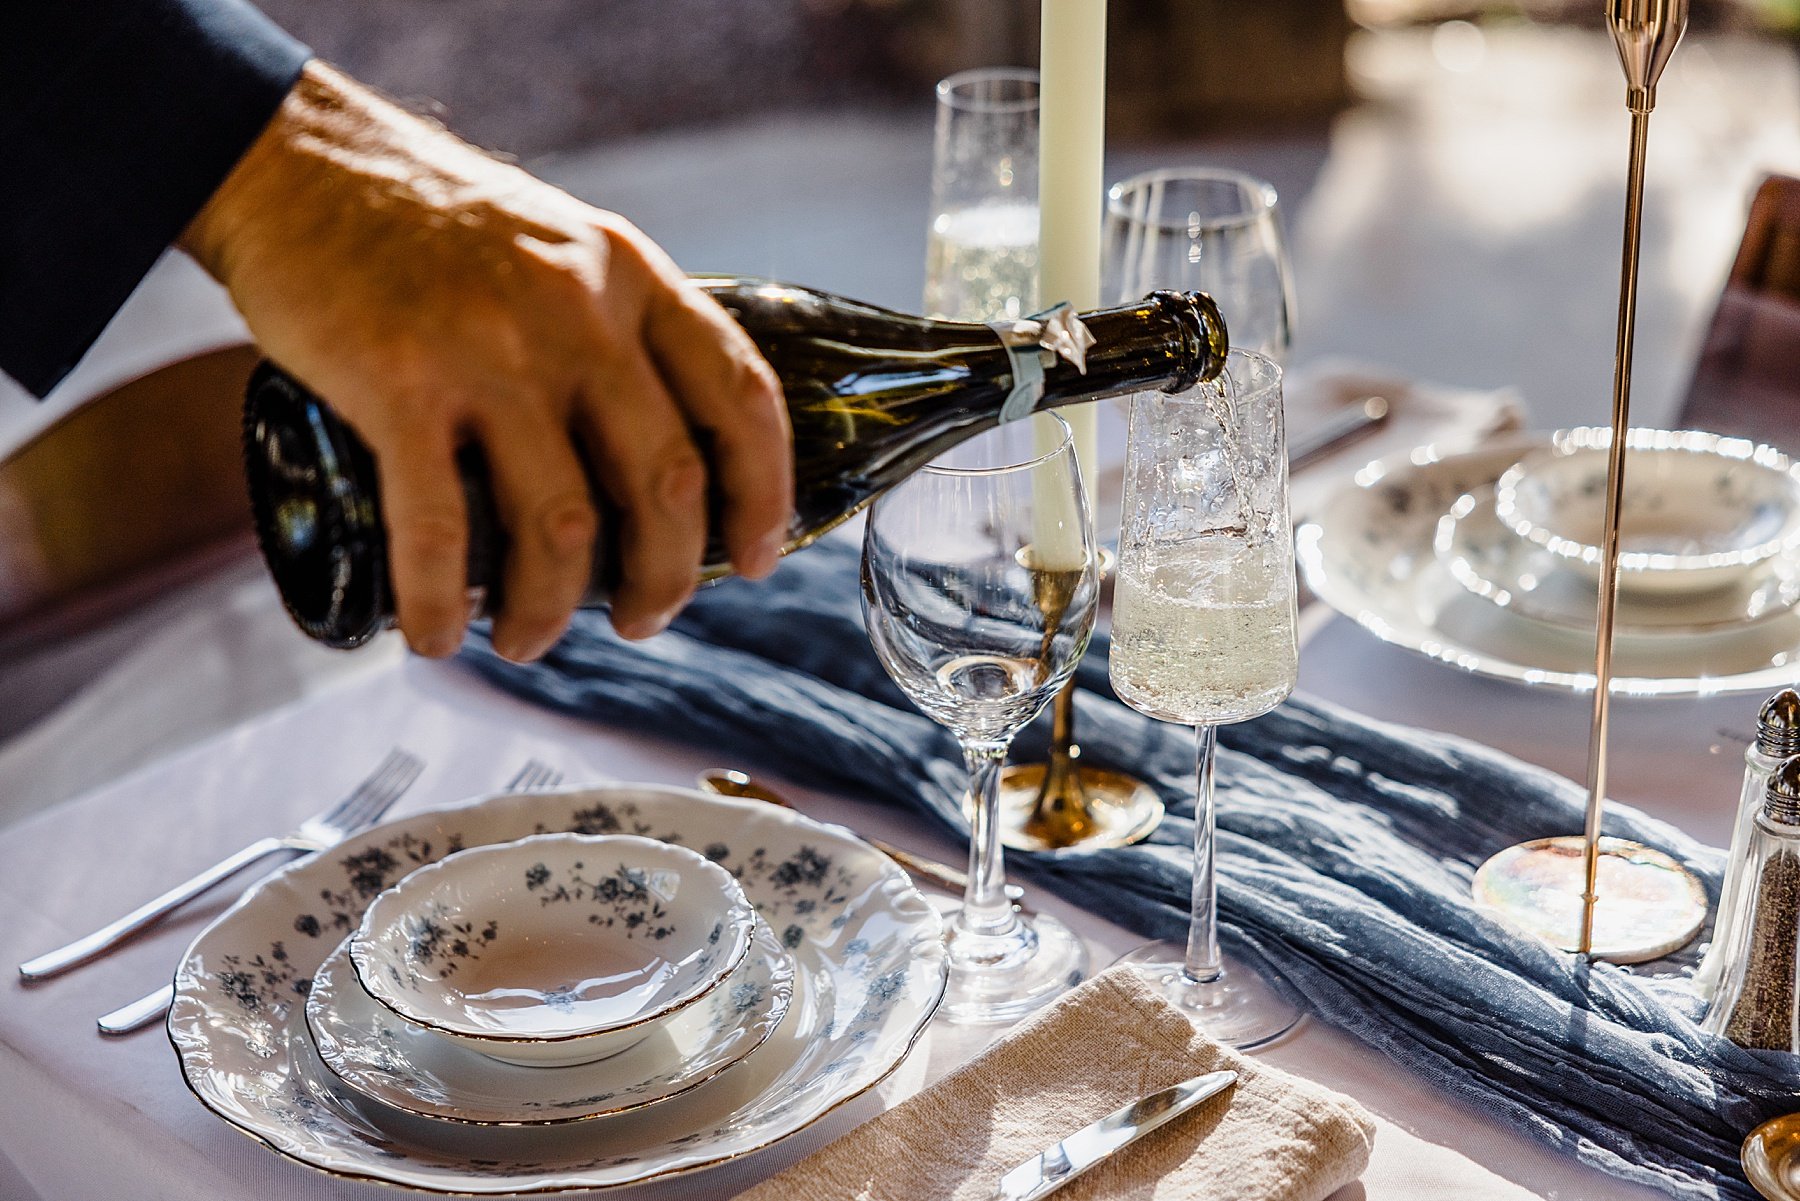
<point x="1747" y="379"/>
<point x="138" y="489"/>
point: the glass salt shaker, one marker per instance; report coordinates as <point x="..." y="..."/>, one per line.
<point x="1777" y="738"/>
<point x="1760" y="966"/>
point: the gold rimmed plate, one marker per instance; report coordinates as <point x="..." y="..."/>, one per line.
<point x="869" y="972"/>
<point x="1370" y="553"/>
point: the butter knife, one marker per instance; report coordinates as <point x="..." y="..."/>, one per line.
<point x="1043" y="1174"/>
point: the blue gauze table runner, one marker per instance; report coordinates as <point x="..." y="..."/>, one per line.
<point x="1346" y="848"/>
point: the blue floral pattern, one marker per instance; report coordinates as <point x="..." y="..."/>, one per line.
<point x="868" y="951"/>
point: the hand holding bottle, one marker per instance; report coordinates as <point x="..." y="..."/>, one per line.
<point x="438" y="297"/>
<point x="871" y="397"/>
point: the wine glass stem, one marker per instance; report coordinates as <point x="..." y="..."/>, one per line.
<point x="985" y="910"/>
<point x="1203" y="961"/>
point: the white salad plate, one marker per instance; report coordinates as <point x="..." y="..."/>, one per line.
<point x="869" y="972"/>
<point x="399" y="1064"/>
<point x="1698" y="508"/>
<point x="1488" y="560"/>
<point x="1370" y="553"/>
<point x="553" y="950"/>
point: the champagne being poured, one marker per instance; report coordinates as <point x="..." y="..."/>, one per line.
<point x="872" y="396"/>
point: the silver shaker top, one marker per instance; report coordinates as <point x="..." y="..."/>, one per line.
<point x="1781" y="799"/>
<point x="1778" y="725"/>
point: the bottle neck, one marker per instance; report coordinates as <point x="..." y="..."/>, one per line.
<point x="1169" y="341"/>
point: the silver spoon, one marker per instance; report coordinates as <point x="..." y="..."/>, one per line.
<point x="724" y="781"/>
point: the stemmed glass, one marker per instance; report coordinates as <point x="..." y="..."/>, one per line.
<point x="1202" y="230"/>
<point x="1203" y="631"/>
<point x="979" y="592"/>
<point x="981" y="260"/>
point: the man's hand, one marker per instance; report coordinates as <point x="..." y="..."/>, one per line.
<point x="435" y="296"/>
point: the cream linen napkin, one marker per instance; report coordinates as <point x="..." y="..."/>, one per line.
<point x="1274" y="1137"/>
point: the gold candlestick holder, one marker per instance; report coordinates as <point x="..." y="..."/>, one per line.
<point x="1064" y="802"/>
<point x="1652" y="904"/>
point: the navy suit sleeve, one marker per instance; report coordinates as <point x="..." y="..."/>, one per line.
<point x="118" y="118"/>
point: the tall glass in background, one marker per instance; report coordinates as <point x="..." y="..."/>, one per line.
<point x="1204" y="631"/>
<point x="979" y="592"/>
<point x="982" y="247"/>
<point x="1195" y="229"/>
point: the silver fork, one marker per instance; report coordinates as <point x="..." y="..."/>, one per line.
<point x="127" y="1019"/>
<point x="365" y="803"/>
<point x="534" y="776"/>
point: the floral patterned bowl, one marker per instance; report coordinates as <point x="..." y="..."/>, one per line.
<point x="556" y="949"/>
<point x="1699" y="510"/>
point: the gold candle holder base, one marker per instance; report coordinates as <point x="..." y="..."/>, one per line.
<point x="1065" y="803"/>
<point x="1771" y="1157"/>
<point x="1042" y="809"/>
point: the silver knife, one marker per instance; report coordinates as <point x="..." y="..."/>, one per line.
<point x="1043" y="1174"/>
<point x="1341" y="428"/>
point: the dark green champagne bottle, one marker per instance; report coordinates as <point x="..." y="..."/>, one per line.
<point x="872" y="396"/>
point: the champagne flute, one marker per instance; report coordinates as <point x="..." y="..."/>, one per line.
<point x="979" y="592"/>
<point x="1197" y="229"/>
<point x="1203" y="631"/>
<point x="981" y="261"/>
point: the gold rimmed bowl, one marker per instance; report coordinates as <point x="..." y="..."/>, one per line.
<point x="1699" y="510"/>
<point x="556" y="949"/>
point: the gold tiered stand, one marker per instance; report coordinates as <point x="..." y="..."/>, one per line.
<point x="1653" y="904"/>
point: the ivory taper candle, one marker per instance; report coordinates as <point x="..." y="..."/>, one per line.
<point x="1071" y="175"/>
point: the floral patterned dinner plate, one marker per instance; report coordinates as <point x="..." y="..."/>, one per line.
<point x="392" y="1061"/>
<point x="1370" y="553"/>
<point x="869" y="971"/>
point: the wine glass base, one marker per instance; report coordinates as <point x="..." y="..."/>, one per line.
<point x="1111" y="809"/>
<point x="1004" y="977"/>
<point x="1238" y="1007"/>
<point x="1648" y="906"/>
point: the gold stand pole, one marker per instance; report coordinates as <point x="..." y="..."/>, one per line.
<point x="1645" y="32"/>
<point x="1609" y="538"/>
<point x="1654" y="904"/>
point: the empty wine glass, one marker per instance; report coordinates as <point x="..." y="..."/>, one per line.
<point x="979" y="592"/>
<point x="1196" y="229"/>
<point x="1203" y="631"/>
<point x="981" y="261"/>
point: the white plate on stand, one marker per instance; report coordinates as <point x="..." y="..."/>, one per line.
<point x="869" y="972"/>
<point x="1370" y="554"/>
<point x="1496" y="564"/>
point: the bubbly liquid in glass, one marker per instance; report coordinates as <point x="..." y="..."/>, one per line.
<point x="1204" y="632"/>
<point x="981" y="264"/>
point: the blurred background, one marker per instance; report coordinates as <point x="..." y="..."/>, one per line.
<point x="1451" y="176"/>
<point x="1451" y="172"/>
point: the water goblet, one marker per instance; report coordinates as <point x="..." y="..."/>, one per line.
<point x="981" y="260"/>
<point x="1197" y="229"/>
<point x="1204" y="632"/>
<point x="979" y="592"/>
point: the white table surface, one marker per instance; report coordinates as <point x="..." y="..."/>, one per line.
<point x="1462" y="227"/>
<point x="82" y="1117"/>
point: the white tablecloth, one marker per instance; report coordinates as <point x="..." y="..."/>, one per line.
<point x="82" y="1117"/>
